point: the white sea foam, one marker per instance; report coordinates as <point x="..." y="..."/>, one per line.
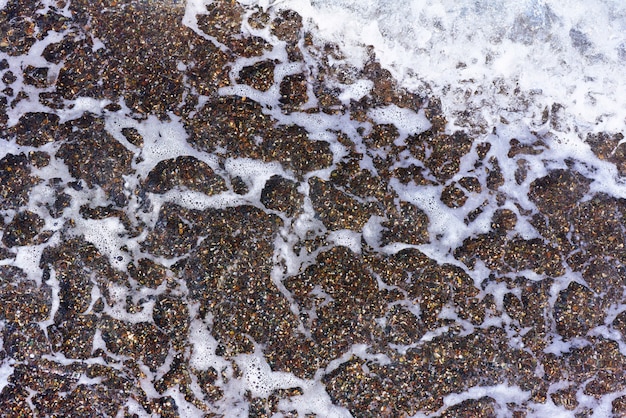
<point x="567" y="52"/>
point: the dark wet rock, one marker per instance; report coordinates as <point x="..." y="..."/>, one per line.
<point x="290" y="145"/>
<point x="239" y="125"/>
<point x="184" y="171"/>
<point x="408" y="224"/>
<point x="282" y="194"/>
<point x="78" y="267"/>
<point x="39" y="159"/>
<point x="349" y="175"/>
<point x="504" y="254"/>
<point x="521" y="172"/>
<point x="453" y="196"/>
<point x="229" y="272"/>
<point x="565" y="398"/>
<point x="444" y="151"/>
<point x="206" y="381"/>
<point x="598" y="226"/>
<point x="239" y="186"/>
<point x="403" y="327"/>
<point x="104" y="212"/>
<point x="495" y="179"/>
<point x="37" y="129"/>
<point x="9" y="78"/>
<point x="382" y="136"/>
<point x="147" y="273"/>
<point x="86" y="400"/>
<point x="287" y="26"/>
<point x="598" y="366"/>
<point x="5" y="253"/>
<point x="336" y="209"/>
<point x="18" y="30"/>
<point x="142" y="341"/>
<point x="576" y="311"/>
<point x="175" y="232"/>
<point x="386" y="90"/>
<point x="23" y="301"/>
<point x="93" y="155"/>
<point x="57" y="51"/>
<point x="223" y="21"/>
<point x="150" y="82"/>
<point x="503" y="220"/>
<point x="362" y="393"/>
<point x="22" y="229"/>
<point x="36" y="76"/>
<point x="607" y="147"/>
<point x="533" y="254"/>
<point x="410" y="174"/>
<point x="342" y="296"/>
<point x="231" y="122"/>
<point x="619" y="405"/>
<point x="619" y="323"/>
<point x="415" y="383"/>
<point x="74" y="335"/>
<point x="259" y="75"/>
<point x="487" y="247"/>
<point x="62" y="201"/>
<point x="25" y="342"/>
<point x="171" y="315"/>
<point x="293" y="91"/>
<point x="79" y="78"/>
<point x="208" y="68"/>
<point x="15" y="181"/>
<point x="517" y="147"/>
<point x="484" y="407"/>
<point x="605" y="276"/>
<point x="558" y="192"/>
<point x="133" y="136"/>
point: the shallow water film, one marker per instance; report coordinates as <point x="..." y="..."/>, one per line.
<point x="252" y="209"/>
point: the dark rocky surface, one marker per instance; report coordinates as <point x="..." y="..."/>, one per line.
<point x="108" y="266"/>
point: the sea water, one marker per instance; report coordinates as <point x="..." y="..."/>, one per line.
<point x="498" y="67"/>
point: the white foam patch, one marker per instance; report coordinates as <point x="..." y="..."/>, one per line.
<point x="5" y="373"/>
<point x="346" y="238"/>
<point x="27" y="258"/>
<point x="502" y="393"/>
<point x="253" y="172"/>
<point x="407" y="121"/>
<point x="117" y="310"/>
<point x="204" y="344"/>
<point x="473" y="55"/>
<point x="356" y="90"/>
<point x="109" y="236"/>
<point x="259" y="378"/>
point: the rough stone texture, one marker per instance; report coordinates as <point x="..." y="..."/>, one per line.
<point x="260" y="268"/>
<point x="186" y="171"/>
<point x="336" y="209"/>
<point x="576" y="311"/>
<point x="281" y="194"/>
<point x="94" y="156"/>
<point x="22" y="229"/>
<point x="607" y="147"/>
<point x="260" y="75"/>
<point x="15" y="181"/>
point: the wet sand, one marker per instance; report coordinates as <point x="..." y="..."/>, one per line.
<point x="387" y="330"/>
